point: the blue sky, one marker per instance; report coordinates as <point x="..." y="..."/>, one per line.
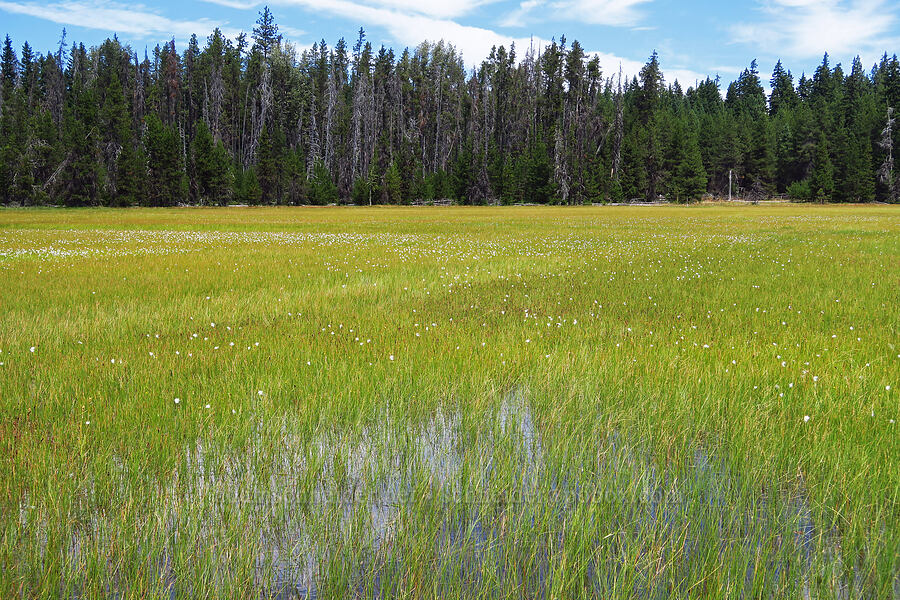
<point x="694" y="39"/>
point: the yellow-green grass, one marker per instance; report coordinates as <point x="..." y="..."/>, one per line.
<point x="450" y="402"/>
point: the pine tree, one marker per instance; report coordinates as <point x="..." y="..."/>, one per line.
<point x="295" y="177"/>
<point x="822" y="177"/>
<point x="322" y="189"/>
<point x="261" y="121"/>
<point x="131" y="176"/>
<point x="9" y="67"/>
<point x="265" y="33"/>
<point x="268" y="165"/>
<point x="82" y="178"/>
<point x="392" y="190"/>
<point x="649" y="123"/>
<point x="783" y="96"/>
<point x="166" y="184"/>
<point x="361" y="191"/>
<point x="212" y="167"/>
<point x="11" y="142"/>
<point x="246" y="187"/>
<point x="690" y="176"/>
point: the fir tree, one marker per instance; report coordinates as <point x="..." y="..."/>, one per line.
<point x="322" y="189"/>
<point x="690" y="176"/>
<point x="268" y="165"/>
<point x="132" y="176"/>
<point x="392" y="189"/>
<point x="246" y="188"/>
<point x="265" y="33"/>
<point x="821" y="180"/>
<point x="261" y="121"/>
<point x="166" y="184"/>
<point x="212" y="167"/>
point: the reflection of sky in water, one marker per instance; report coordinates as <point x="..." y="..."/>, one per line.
<point x="475" y="488"/>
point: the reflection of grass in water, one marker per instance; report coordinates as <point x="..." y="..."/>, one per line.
<point x="582" y="402"/>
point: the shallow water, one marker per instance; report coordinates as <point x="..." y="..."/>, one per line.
<point x="365" y="506"/>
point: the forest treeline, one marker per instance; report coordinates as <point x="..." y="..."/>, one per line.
<point x="253" y="121"/>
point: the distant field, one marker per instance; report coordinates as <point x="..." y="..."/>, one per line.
<point x="609" y="402"/>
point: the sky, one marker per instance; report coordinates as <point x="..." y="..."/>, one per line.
<point x="694" y="39"/>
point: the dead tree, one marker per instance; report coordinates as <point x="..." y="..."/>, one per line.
<point x="620" y="131"/>
<point x="886" y="171"/>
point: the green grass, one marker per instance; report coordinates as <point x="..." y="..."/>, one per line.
<point x="450" y="402"/>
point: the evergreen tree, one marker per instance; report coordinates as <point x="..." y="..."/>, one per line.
<point x="821" y="181"/>
<point x="392" y="189"/>
<point x="212" y="167"/>
<point x="166" y="183"/>
<point x="269" y="165"/>
<point x="361" y="192"/>
<point x="9" y="67"/>
<point x="10" y="138"/>
<point x="132" y="176"/>
<point x="257" y="120"/>
<point x="322" y="189"/>
<point x="246" y="187"/>
<point x="783" y="96"/>
<point x="690" y="176"/>
<point x="82" y="176"/>
<point x="265" y="33"/>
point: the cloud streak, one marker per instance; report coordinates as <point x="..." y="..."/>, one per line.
<point x="134" y="20"/>
<point x="405" y="24"/>
<point x="808" y="28"/>
<point x="410" y="27"/>
<point x="618" y="13"/>
<point x="449" y="9"/>
<point x="610" y="64"/>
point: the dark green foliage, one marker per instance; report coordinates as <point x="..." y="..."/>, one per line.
<point x="295" y="177"/>
<point x="132" y="176"/>
<point x="392" y="190"/>
<point x="167" y="185"/>
<point x="212" y="168"/>
<point x="821" y="180"/>
<point x="361" y="191"/>
<point x="799" y="190"/>
<point x="265" y="33"/>
<point x="255" y="121"/>
<point x="82" y="171"/>
<point x="246" y="188"/>
<point x="269" y="163"/>
<point x="322" y="189"/>
<point x="689" y="180"/>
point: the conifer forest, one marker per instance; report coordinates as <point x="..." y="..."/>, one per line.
<point x="254" y="120"/>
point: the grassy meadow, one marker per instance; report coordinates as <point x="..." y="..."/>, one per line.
<point x="589" y="402"/>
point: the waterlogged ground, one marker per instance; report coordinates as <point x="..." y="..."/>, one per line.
<point x="604" y="402"/>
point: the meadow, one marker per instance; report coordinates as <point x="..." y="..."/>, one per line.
<point x="521" y="402"/>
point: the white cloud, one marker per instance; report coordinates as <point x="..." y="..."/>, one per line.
<point x="473" y="42"/>
<point x="405" y="23"/>
<point x="600" y="12"/>
<point x="409" y="27"/>
<point x="291" y="32"/>
<point x="726" y="69"/>
<point x="518" y="17"/>
<point x="235" y="4"/>
<point x="135" y="20"/>
<point x="446" y="9"/>
<point x="619" y="13"/>
<point x="630" y="68"/>
<point x="808" y="28"/>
